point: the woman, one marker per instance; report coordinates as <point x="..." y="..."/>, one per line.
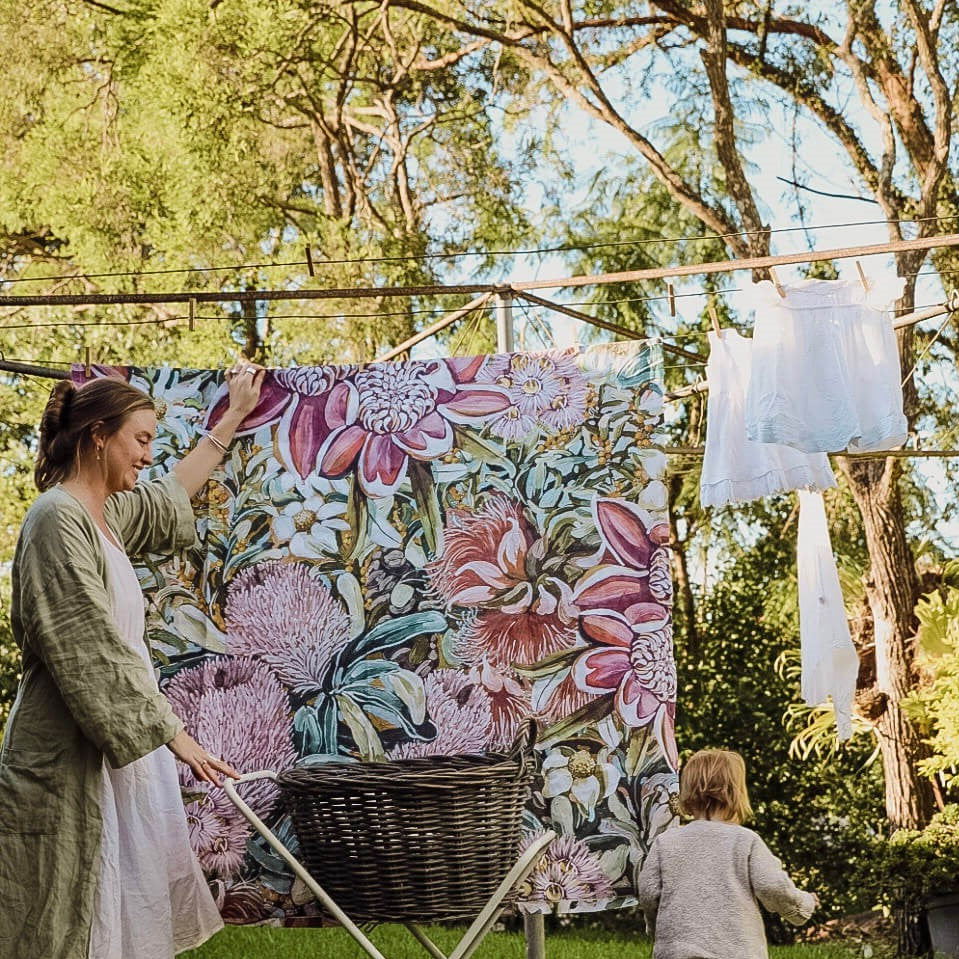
<point x="95" y="861"/>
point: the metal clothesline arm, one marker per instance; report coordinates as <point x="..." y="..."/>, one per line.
<point x="599" y="279"/>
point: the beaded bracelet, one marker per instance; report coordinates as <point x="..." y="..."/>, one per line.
<point x="222" y="447"/>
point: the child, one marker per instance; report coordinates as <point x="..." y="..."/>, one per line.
<point x="700" y="883"/>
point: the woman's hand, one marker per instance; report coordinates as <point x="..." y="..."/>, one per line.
<point x="204" y="766"/>
<point x="244" y="381"/>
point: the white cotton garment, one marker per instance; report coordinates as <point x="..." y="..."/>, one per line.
<point x="829" y="661"/>
<point x="826" y="374"/>
<point x="152" y="901"/>
<point x="736" y="469"/>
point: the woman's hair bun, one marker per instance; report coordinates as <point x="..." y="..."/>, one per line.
<point x="64" y="391"/>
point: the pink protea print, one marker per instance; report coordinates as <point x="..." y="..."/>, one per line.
<point x="509" y="702"/>
<point x="630" y="633"/>
<point x="303" y="402"/>
<point x="393" y="412"/>
<point x="218" y="835"/>
<point x="568" y="872"/>
<point x="561" y="700"/>
<point x="462" y="715"/>
<point x="546" y="390"/>
<point x="486" y="564"/>
<point x="281" y="614"/>
<point x="239" y="711"/>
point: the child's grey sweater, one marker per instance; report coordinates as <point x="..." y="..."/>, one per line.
<point x="699" y="885"/>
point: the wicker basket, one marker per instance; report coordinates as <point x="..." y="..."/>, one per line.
<point x="414" y="840"/>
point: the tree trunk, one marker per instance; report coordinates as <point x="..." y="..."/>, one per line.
<point x="892" y="590"/>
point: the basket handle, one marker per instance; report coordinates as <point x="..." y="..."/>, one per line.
<point x="524" y="745"/>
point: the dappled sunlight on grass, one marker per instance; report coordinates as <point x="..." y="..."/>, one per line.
<point x="395" y="942"/>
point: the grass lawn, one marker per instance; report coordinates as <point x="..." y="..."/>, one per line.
<point x="395" y="942"/>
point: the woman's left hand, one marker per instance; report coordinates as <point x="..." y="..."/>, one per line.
<point x="244" y="381"/>
<point x="205" y="768"/>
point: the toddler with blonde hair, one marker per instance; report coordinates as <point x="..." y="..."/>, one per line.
<point x="701" y="884"/>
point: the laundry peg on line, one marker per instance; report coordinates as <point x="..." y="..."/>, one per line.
<point x="87" y="362"/>
<point x="192" y="316"/>
<point x="672" y="299"/>
<point x="714" y="316"/>
<point x="776" y="283"/>
<point x="309" y="261"/>
<point x="862" y="276"/>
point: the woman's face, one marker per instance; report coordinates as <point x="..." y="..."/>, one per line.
<point x="128" y="451"/>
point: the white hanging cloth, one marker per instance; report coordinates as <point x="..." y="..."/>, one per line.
<point x="826" y="374"/>
<point x="829" y="661"/>
<point x="736" y="469"/>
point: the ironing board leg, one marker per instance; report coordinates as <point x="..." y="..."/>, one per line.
<point x="484" y="921"/>
<point x="535" y="928"/>
<point x="425" y="941"/>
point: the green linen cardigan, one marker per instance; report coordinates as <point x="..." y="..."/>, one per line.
<point x="85" y="694"/>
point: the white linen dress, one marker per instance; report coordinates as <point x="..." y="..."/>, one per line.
<point x="153" y="901"/>
<point x="736" y="469"/>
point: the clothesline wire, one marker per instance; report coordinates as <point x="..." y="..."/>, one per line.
<point x="690" y="335"/>
<point x="371" y="316"/>
<point x="753" y="263"/>
<point x="904" y="454"/>
<point x="415" y="257"/>
<point x="418" y="311"/>
<point x="926" y="348"/>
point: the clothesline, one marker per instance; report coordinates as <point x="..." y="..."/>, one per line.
<point x="877" y="454"/>
<point x="311" y="263"/>
<point x="600" y="279"/>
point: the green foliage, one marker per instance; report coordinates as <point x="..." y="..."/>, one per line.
<point x="934" y="705"/>
<point x="819" y="814"/>
<point x="903" y="872"/>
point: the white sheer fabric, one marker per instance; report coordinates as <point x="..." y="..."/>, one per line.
<point x="153" y="901"/>
<point x="829" y="661"/>
<point x="826" y="373"/>
<point x="736" y="469"/>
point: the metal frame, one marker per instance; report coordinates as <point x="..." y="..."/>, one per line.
<point x="471" y="938"/>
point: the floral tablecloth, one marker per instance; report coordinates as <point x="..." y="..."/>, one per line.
<point x="406" y="559"/>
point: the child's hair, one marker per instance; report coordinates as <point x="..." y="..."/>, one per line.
<point x="712" y="785"/>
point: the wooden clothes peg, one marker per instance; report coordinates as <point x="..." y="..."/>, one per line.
<point x="776" y="283"/>
<point x="87" y="362"/>
<point x="192" y="315"/>
<point x="714" y="316"/>
<point x="309" y="261"/>
<point x="862" y="276"/>
<point x="672" y="299"/>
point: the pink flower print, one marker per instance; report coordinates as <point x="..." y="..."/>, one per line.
<point x="567" y="872"/>
<point x="624" y="616"/>
<point x="218" y="836"/>
<point x="635" y="661"/>
<point x="236" y="708"/>
<point x="78" y="373"/>
<point x="397" y="411"/>
<point x="545" y="389"/>
<point x="304" y="402"/>
<point x="461" y="713"/>
<point x="559" y="701"/>
<point x="487" y="563"/>
<point x="509" y="702"/>
<point x="280" y="613"/>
